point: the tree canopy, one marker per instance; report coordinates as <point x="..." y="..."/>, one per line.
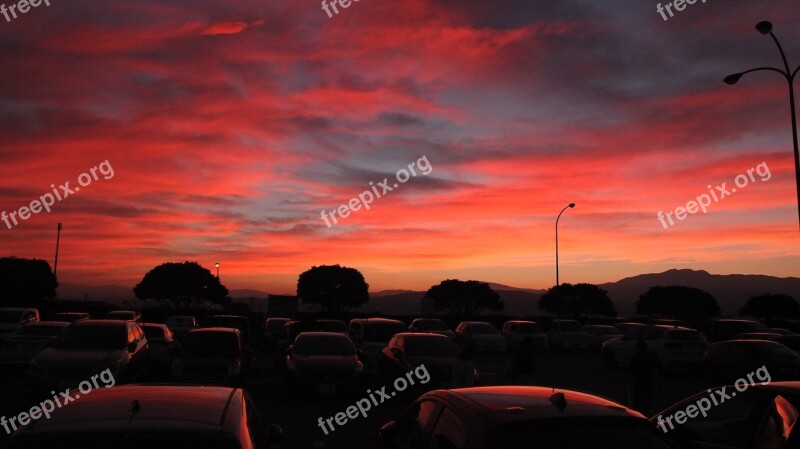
<point x="577" y="300"/>
<point x="181" y="285"/>
<point x="678" y="302"/>
<point x="770" y="306"/>
<point x="25" y="281"/>
<point x="333" y="288"/>
<point x="464" y="298"/>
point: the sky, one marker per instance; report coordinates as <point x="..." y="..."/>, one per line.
<point x="220" y="132"/>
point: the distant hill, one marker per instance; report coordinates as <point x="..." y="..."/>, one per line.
<point x="731" y="291"/>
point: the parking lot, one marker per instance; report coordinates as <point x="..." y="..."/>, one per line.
<point x="297" y="412"/>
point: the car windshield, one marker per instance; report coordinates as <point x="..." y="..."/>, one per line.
<point x="40" y="331"/>
<point x="570" y="326"/>
<point x="433" y="325"/>
<point x="153" y="332"/>
<point x="9" y="316"/>
<point x="93" y="338"/>
<point x="577" y="433"/>
<point x="483" y="328"/>
<point x="530" y="328"/>
<point x="382" y="331"/>
<point x="180" y="322"/>
<point x="430" y="346"/>
<point x="686" y="335"/>
<point x="210" y="344"/>
<point x="323" y="345"/>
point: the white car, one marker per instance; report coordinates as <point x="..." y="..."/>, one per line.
<point x="670" y="345"/>
<point x="567" y="334"/>
<point x="515" y="332"/>
<point x="481" y="336"/>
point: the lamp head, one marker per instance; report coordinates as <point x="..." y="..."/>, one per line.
<point x="733" y="79"/>
<point x="571" y="204"/>
<point x="216" y="265"/>
<point x="764" y="27"/>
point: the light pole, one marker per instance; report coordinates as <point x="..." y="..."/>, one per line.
<point x="216" y="265"/>
<point x="570" y="205"/>
<point x="766" y="28"/>
<point x="58" y="241"/>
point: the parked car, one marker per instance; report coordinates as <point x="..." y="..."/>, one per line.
<point x="625" y="327"/>
<point x="211" y="356"/>
<point x="19" y="348"/>
<point x="727" y="361"/>
<point x="671" y="347"/>
<point x="274" y="329"/>
<point x="163" y="347"/>
<point x="326" y="360"/>
<point x="516" y="331"/>
<point x="763" y="416"/>
<point x="337" y="326"/>
<point x="598" y="334"/>
<point x="124" y="315"/>
<point x="180" y="325"/>
<point x="517" y="417"/>
<point x="370" y="336"/>
<point x="408" y="350"/>
<point x="241" y="323"/>
<point x="71" y="317"/>
<point x="152" y="417"/>
<point x="724" y="329"/>
<point x="567" y="334"/>
<point x="432" y="325"/>
<point x="756" y="336"/>
<point x="87" y="347"/>
<point x="480" y="336"/>
<point x="13" y="318"/>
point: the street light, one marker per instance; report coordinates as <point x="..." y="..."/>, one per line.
<point x="570" y="205"/>
<point x="766" y="28"/>
<point x="217" y="266"/>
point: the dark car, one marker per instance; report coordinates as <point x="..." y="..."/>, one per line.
<point x="408" y="350"/>
<point x="124" y="315"/>
<point x="71" y="317"/>
<point x="371" y="335"/>
<point x="727" y="360"/>
<point x="87" y="347"/>
<point x="240" y="323"/>
<point x="162" y="347"/>
<point x="762" y="416"/>
<point x="19" y="348"/>
<point x="724" y="329"/>
<point x="519" y="417"/>
<point x="212" y="356"/>
<point x="275" y="331"/>
<point x="152" y="417"/>
<point x="326" y="360"/>
<point x="180" y="325"/>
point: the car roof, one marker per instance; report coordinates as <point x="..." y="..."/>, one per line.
<point x="322" y="335"/>
<point x="215" y="330"/>
<point x="83" y="323"/>
<point x="159" y="407"/>
<point x="180" y="316"/>
<point x="161" y="325"/>
<point x="47" y="323"/>
<point x="420" y="335"/>
<point x="376" y="320"/>
<point x="520" y="403"/>
<point x="520" y="321"/>
<point x="747" y="342"/>
<point x="227" y="316"/>
<point x="17" y="309"/>
<point x="734" y="320"/>
<point x="122" y="311"/>
<point x="670" y="327"/>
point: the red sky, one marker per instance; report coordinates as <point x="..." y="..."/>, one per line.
<point x="231" y="125"/>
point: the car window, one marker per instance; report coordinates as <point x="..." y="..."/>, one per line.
<point x="411" y="428"/>
<point x="449" y="432"/>
<point x="732" y="423"/>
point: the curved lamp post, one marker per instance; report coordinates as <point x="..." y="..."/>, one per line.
<point x="568" y="206"/>
<point x="766" y="28"/>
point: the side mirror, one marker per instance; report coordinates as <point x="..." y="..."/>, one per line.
<point x="388" y="432"/>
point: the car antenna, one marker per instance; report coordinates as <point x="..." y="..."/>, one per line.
<point x="134" y="410"/>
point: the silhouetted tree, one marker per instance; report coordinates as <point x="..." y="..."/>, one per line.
<point x="576" y="300"/>
<point x="678" y="302"/>
<point x="332" y="287"/>
<point x="25" y="281"/>
<point x="181" y="285"/>
<point x="770" y="306"/>
<point x="464" y="298"/>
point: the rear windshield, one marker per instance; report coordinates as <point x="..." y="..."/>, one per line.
<point x="530" y="328"/>
<point x="433" y="325"/>
<point x="40" y="331"/>
<point x="7" y="316"/>
<point x="230" y="322"/>
<point x="275" y="325"/>
<point x="153" y="332"/>
<point x="316" y="345"/>
<point x="210" y="344"/>
<point x="442" y="347"/>
<point x="483" y="328"/>
<point x="333" y="326"/>
<point x="577" y="433"/>
<point x="180" y="322"/>
<point x="686" y="335"/>
<point x="93" y="338"/>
